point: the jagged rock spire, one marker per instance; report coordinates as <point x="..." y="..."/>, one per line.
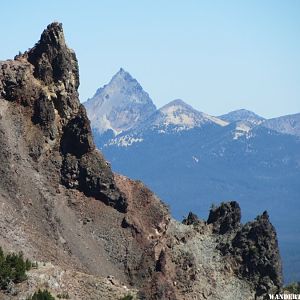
<point x="53" y="60"/>
<point x="45" y="80"/>
<point x="225" y="217"/>
<point x="255" y="249"/>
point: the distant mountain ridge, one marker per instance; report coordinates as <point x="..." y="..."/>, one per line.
<point x="289" y="124"/>
<point x="242" y="115"/>
<point x="192" y="159"/>
<point x="122" y="105"/>
<point x="175" y="116"/>
<point x="179" y="115"/>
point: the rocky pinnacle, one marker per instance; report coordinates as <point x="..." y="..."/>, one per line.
<point x="45" y="80"/>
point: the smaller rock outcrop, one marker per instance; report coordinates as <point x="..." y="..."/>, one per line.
<point x="225" y="217"/>
<point x="191" y="219"/>
<point x="254" y="248"/>
<point x="161" y="262"/>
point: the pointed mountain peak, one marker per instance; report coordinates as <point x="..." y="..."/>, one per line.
<point x="119" y="105"/>
<point x="122" y="71"/>
<point x="123" y="76"/>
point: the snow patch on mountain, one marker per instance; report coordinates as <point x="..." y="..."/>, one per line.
<point x="242" y="129"/>
<point x="123" y="141"/>
<point x="216" y="120"/>
<point x="181" y="114"/>
<point x="177" y="116"/>
<point x="242" y="126"/>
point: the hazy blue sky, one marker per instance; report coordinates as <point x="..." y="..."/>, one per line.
<point x="216" y="55"/>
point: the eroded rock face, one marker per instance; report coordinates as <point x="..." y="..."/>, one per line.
<point x="225" y="217"/>
<point x="54" y="62"/>
<point x="254" y="248"/>
<point x="191" y="219"/>
<point x="44" y="81"/>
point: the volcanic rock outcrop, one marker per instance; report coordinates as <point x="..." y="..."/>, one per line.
<point x="61" y="203"/>
<point x="45" y="81"/>
<point x="225" y="218"/>
<point x="253" y="246"/>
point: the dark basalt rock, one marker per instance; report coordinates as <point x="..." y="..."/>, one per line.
<point x="225" y="218"/>
<point x="255" y="249"/>
<point x="44" y="115"/>
<point x="77" y="139"/>
<point x="191" y="219"/>
<point x="43" y="111"/>
<point x="16" y="84"/>
<point x="96" y="180"/>
<point x="45" y="80"/>
<point x="161" y="262"/>
<point x="57" y="67"/>
<point x="53" y="60"/>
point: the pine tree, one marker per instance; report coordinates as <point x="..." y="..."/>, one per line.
<point x="42" y="295"/>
